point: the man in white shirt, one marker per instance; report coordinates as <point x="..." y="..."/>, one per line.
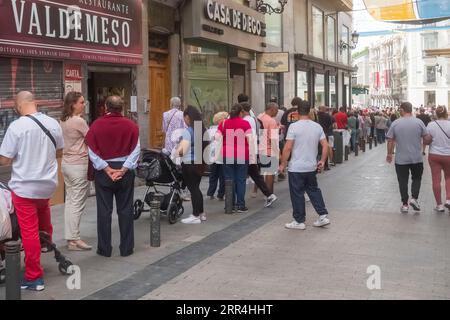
<point x="32" y="152"/>
<point x="301" y="142"/>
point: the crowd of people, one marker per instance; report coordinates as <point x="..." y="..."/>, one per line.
<point x="239" y="145"/>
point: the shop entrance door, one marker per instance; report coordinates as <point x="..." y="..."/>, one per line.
<point x="159" y="82"/>
<point x="237" y="76"/>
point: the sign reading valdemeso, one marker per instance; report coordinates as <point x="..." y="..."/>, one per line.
<point x="92" y="30"/>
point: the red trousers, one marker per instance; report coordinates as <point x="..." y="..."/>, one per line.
<point x="438" y="164"/>
<point x="33" y="216"/>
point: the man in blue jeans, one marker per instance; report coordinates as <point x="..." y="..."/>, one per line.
<point x="301" y="143"/>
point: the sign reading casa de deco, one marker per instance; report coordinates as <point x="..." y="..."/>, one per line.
<point x="92" y="30"/>
<point x="233" y="18"/>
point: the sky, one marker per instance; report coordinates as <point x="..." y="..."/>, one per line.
<point x="363" y="21"/>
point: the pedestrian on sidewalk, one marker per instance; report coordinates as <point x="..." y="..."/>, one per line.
<point x="31" y="145"/>
<point x="426" y="119"/>
<point x="326" y="121"/>
<point x="254" y="169"/>
<point x="216" y="176"/>
<point x="236" y="136"/>
<point x="114" y="149"/>
<point x="439" y="157"/>
<point x="74" y="168"/>
<point x="192" y="163"/>
<point x="405" y="135"/>
<point x="268" y="147"/>
<point x="302" y="140"/>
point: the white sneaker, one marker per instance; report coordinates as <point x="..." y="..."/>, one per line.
<point x="203" y="217"/>
<point x="322" y="222"/>
<point x="192" y="220"/>
<point x="270" y="200"/>
<point x="404" y="208"/>
<point x="415" y="204"/>
<point x="447" y="204"/>
<point x="295" y="225"/>
<point x="440" y="208"/>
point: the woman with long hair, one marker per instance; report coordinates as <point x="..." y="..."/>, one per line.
<point x="192" y="163"/>
<point x="74" y="168"/>
<point x="236" y="134"/>
<point x="439" y="157"/>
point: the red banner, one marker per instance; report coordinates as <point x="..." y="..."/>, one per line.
<point x="72" y="72"/>
<point x="107" y="31"/>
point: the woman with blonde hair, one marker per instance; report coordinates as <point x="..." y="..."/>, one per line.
<point x="216" y="166"/>
<point x="439" y="155"/>
<point x="74" y="168"/>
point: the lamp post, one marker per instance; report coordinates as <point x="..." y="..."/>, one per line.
<point x="267" y="8"/>
<point x="354" y="42"/>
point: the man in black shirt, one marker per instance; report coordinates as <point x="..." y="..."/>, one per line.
<point x="426" y="119"/>
<point x="291" y="116"/>
<point x="326" y="121"/>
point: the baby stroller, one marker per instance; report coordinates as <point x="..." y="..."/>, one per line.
<point x="157" y="169"/>
<point x="46" y="244"/>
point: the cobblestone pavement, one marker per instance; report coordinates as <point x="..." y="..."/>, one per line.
<point x="412" y="251"/>
<point x="252" y="256"/>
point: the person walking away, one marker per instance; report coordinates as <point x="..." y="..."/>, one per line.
<point x="426" y="119"/>
<point x="268" y="147"/>
<point x="352" y="125"/>
<point x="192" y="163"/>
<point x="31" y="145"/>
<point x="406" y="136"/>
<point x="301" y="143"/>
<point x="254" y="170"/>
<point x="74" y="168"/>
<point x="236" y="136"/>
<point x="341" y="119"/>
<point x="439" y="155"/>
<point x="216" y="167"/>
<point x="114" y="149"/>
<point x="173" y="124"/>
<point x="326" y="122"/>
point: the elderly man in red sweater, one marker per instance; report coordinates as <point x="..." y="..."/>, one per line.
<point x="114" y="149"/>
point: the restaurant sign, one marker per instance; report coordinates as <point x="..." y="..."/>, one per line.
<point x="88" y="30"/>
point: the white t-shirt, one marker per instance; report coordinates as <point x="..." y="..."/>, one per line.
<point x="252" y="121"/>
<point x="441" y="143"/>
<point x="306" y="135"/>
<point x="34" y="169"/>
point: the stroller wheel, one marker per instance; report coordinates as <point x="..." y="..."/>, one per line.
<point x="2" y="275"/>
<point x="138" y="207"/>
<point x="172" y="213"/>
<point x="63" y="267"/>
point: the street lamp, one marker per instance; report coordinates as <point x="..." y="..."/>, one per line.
<point x="344" y="45"/>
<point x="266" y="8"/>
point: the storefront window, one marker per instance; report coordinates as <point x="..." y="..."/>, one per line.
<point x="319" y="90"/>
<point x="317" y="15"/>
<point x="331" y="38"/>
<point x="333" y="96"/>
<point x="274" y="26"/>
<point x="273" y="87"/>
<point x="207" y="80"/>
<point x="41" y="77"/>
<point x="302" y="85"/>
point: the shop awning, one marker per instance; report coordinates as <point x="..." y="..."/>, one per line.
<point x="409" y="11"/>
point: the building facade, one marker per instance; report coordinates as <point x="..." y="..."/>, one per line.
<point x="411" y="66"/>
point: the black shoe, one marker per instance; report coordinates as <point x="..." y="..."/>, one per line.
<point x="242" y="209"/>
<point x="129" y="253"/>
<point x="101" y="253"/>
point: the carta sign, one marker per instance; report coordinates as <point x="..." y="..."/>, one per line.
<point x="233" y="18"/>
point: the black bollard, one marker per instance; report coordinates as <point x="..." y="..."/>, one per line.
<point x="347" y="151"/>
<point x="229" y="195"/>
<point x="356" y="149"/>
<point x="155" y="226"/>
<point x="370" y="143"/>
<point x="12" y="249"/>
<point x="376" y="141"/>
<point x="363" y="144"/>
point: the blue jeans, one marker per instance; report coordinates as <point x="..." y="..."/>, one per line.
<point x="381" y="135"/>
<point x="353" y="139"/>
<point x="237" y="173"/>
<point x="299" y="183"/>
<point x="216" y="176"/>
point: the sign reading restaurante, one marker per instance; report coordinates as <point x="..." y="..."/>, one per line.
<point x="235" y="19"/>
<point x="91" y="30"/>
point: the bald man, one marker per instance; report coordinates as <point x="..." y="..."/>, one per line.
<point x="31" y="145"/>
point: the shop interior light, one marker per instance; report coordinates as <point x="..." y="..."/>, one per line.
<point x="266" y="8"/>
